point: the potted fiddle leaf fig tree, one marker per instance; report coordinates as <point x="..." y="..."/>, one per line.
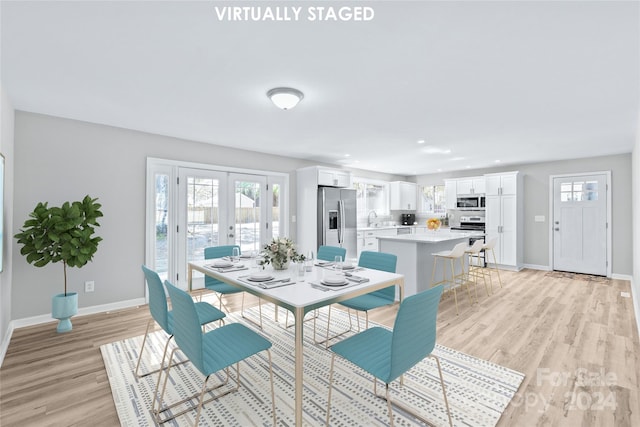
<point x="62" y="234"/>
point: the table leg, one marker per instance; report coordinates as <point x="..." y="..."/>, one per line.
<point x="299" y="319"/>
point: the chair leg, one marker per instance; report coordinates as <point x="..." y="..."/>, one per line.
<point x="144" y="341"/>
<point x="389" y="408"/>
<point x="200" y="400"/>
<point x="444" y="392"/>
<point x="273" y="394"/>
<point x="495" y="263"/>
<point x="333" y="358"/>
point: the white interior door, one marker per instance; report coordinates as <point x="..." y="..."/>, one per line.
<point x="580" y="224"/>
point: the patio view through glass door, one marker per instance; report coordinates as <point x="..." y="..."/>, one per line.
<point x="190" y="208"/>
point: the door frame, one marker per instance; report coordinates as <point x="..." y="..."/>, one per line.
<point x="551" y="213"/>
<point x="170" y="168"/>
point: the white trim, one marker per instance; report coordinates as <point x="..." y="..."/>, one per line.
<point x="208" y="166"/>
<point x="103" y="308"/>
<point x="609" y="213"/>
<point x="46" y="318"/>
<point x="636" y="306"/>
<point x="537" y="267"/>
<point x="617" y="276"/>
<point x="5" y="342"/>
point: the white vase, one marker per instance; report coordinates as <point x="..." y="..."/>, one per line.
<point x="278" y="266"/>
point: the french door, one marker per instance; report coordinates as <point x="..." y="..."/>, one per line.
<point x="206" y="207"/>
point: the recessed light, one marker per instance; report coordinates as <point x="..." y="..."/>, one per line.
<point x="347" y="155"/>
<point x="421" y="141"/>
<point x="456" y="159"/>
<point x="496" y="161"/>
<point x="430" y="149"/>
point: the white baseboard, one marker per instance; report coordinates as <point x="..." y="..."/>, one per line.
<point x="622" y="277"/>
<point x="635" y="296"/>
<point x="537" y="267"/>
<point x="46" y="318"/>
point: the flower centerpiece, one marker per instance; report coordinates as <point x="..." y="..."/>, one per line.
<point x="279" y="252"/>
<point x="433" y="224"/>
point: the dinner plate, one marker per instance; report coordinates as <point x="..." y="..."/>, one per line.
<point x="222" y="264"/>
<point x="331" y="282"/>
<point x="348" y="267"/>
<point x="260" y="277"/>
<point x="246" y="256"/>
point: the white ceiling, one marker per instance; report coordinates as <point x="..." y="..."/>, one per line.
<point x="517" y="82"/>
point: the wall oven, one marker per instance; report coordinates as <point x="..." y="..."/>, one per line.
<point x="470" y="202"/>
<point x="473" y="223"/>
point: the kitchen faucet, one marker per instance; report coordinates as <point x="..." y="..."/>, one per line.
<point x="375" y="215"/>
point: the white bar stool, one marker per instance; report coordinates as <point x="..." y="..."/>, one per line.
<point x="476" y="270"/>
<point x="457" y="253"/>
<point x="488" y="246"/>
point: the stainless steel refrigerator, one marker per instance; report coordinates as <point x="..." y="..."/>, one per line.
<point x="337" y="218"/>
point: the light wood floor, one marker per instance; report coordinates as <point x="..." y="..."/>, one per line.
<point x="575" y="340"/>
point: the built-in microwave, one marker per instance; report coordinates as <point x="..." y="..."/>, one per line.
<point x="470" y="202"/>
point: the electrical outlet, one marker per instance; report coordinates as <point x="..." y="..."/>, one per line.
<point x="625" y="294"/>
<point x="89" y="286"/>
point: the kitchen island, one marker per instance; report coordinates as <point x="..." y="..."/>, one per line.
<point x="415" y="259"/>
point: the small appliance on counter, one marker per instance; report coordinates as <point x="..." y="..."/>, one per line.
<point x="408" y="219"/>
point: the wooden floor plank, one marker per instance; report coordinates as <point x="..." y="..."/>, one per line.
<point x="554" y="328"/>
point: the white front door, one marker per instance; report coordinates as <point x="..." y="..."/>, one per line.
<point x="580" y="224"/>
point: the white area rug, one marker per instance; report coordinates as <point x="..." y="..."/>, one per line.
<point x="478" y="391"/>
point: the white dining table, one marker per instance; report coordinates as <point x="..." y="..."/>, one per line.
<point x="300" y="298"/>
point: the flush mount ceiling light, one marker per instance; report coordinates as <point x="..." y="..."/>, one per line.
<point x="285" y="97"/>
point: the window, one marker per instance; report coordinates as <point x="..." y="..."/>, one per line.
<point x="371" y="195"/>
<point x="432" y="199"/>
<point x="579" y="191"/>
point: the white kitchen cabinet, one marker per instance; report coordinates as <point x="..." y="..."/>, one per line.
<point x="418" y="230"/>
<point x="402" y="196"/>
<point x="504" y="218"/>
<point x="501" y="184"/>
<point x="450" y="193"/>
<point x="370" y="241"/>
<point x="334" y="178"/>
<point x="471" y="185"/>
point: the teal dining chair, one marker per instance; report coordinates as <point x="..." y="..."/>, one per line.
<point x="220" y="288"/>
<point x="329" y="253"/>
<point x="161" y="315"/>
<point x="325" y="253"/>
<point x="387" y="354"/>
<point x="380" y="298"/>
<point x="209" y="352"/>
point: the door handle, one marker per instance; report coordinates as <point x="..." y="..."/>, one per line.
<point x="231" y="235"/>
<point x="557" y="229"/>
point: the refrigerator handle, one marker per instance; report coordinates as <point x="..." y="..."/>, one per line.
<point x="341" y="221"/>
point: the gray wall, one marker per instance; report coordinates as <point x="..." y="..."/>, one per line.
<point x="58" y="160"/>
<point x="536" y="202"/>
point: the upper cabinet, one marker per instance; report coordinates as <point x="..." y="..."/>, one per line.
<point x="450" y="193"/>
<point x="402" y="196"/>
<point x="501" y="184"/>
<point x="471" y="185"/>
<point x="334" y="178"/>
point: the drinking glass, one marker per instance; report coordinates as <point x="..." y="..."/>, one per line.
<point x="337" y="264"/>
<point x="308" y="262"/>
<point x="235" y="255"/>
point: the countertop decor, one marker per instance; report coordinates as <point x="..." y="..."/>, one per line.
<point x="280" y="252"/>
<point x="433" y="224"/>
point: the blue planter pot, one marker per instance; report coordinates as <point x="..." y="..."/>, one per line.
<point x="62" y="308"/>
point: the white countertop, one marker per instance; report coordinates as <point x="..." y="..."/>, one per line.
<point x="394" y="227"/>
<point x="431" y="236"/>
